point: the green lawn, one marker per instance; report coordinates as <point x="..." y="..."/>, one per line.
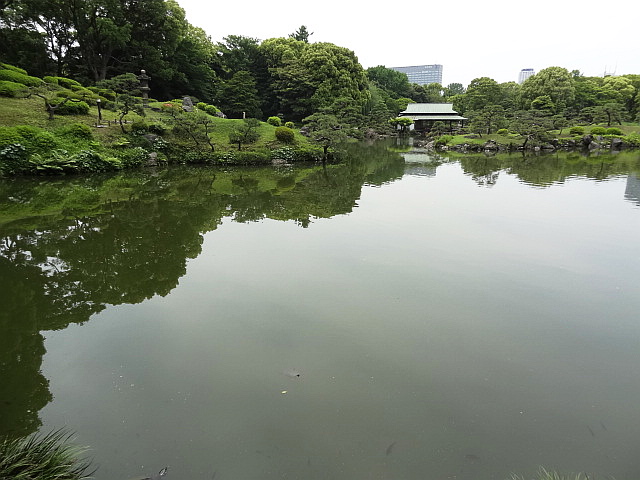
<point x="31" y="111"/>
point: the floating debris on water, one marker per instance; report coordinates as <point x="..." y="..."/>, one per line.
<point x="292" y="373"/>
<point x="390" y="448"/>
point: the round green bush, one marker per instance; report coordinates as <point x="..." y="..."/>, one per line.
<point x="12" y="89"/>
<point x="17" y="77"/>
<point x="598" y="131"/>
<point x="73" y="108"/>
<point x="613" y="131"/>
<point x="78" y="130"/>
<point x="9" y="136"/>
<point x="275" y="121"/>
<point x="63" y="82"/>
<point x="290" y="125"/>
<point x="577" y="130"/>
<point x="139" y="126"/>
<point x="6" y="66"/>
<point x="284" y="134"/>
<point x="503" y="131"/>
<point x="211" y="110"/>
<point x="36" y="140"/>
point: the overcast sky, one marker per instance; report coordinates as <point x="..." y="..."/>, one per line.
<point x="470" y="38"/>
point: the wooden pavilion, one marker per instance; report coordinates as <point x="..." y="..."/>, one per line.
<point x="424" y="115"/>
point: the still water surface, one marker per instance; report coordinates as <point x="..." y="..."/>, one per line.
<point x="400" y="316"/>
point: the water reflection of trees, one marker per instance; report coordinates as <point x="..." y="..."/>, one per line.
<point x="70" y="247"/>
<point x="545" y="170"/>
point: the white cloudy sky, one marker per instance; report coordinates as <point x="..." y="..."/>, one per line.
<point x="470" y="38"/>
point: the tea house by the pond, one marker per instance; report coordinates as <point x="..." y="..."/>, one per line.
<point x="424" y="115"/>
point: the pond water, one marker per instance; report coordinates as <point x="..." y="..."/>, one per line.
<point x="398" y="316"/>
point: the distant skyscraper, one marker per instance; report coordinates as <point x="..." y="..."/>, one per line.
<point x="525" y="73"/>
<point x="422" y="74"/>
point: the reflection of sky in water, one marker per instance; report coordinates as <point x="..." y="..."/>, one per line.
<point x="478" y="331"/>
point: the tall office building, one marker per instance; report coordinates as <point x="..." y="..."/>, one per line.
<point x="524" y="74"/>
<point x="422" y="74"/>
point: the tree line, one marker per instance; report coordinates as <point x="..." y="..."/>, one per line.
<point x="293" y="78"/>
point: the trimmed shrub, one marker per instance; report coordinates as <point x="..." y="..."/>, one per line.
<point x="17" y="77"/>
<point x="577" y="130"/>
<point x="133" y="157"/>
<point x="63" y="82"/>
<point x="78" y="130"/>
<point x="211" y="110"/>
<point x="139" y="127"/>
<point x="73" y="108"/>
<point x="275" y="121"/>
<point x="598" y="131"/>
<point x="12" y="89"/>
<point x="633" y="139"/>
<point x="8" y="136"/>
<point x="35" y="139"/>
<point x="503" y="131"/>
<point x="284" y="134"/>
<point x="442" y="140"/>
<point x="252" y="158"/>
<point x="613" y="131"/>
<point x="90" y="161"/>
<point x="201" y="106"/>
<point x="290" y="125"/>
<point x="6" y="66"/>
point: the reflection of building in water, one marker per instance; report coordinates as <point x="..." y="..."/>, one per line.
<point x="420" y="164"/>
<point x="632" y="192"/>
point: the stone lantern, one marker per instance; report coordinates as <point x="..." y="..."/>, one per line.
<point x="144" y="87"/>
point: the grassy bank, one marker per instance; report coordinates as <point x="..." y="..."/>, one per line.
<point x="30" y="143"/>
<point x="569" y="138"/>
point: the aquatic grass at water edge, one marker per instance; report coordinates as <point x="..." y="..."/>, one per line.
<point x="51" y="456"/>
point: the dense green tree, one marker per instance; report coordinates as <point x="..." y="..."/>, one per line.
<point x="617" y="89"/>
<point x="395" y="83"/>
<point x="431" y="93"/>
<point x="26" y="49"/>
<point x="238" y="96"/>
<point x="481" y="92"/>
<point x="325" y="130"/>
<point x="401" y="123"/>
<point x="453" y="89"/>
<point x="543" y="103"/>
<point x="510" y="93"/>
<point x="302" y="34"/>
<point x="609" y="112"/>
<point x="245" y="133"/>
<point x="311" y="80"/>
<point x="533" y="125"/>
<point x="126" y="103"/>
<point x="196" y="126"/>
<point x="125" y="83"/>
<point x="487" y="120"/>
<point x="556" y="82"/>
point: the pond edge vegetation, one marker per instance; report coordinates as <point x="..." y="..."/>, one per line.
<point x="44" y="456"/>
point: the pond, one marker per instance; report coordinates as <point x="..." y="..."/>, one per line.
<point x="401" y="315"/>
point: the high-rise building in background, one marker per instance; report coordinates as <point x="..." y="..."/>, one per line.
<point x="422" y="74"/>
<point x="524" y="74"/>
